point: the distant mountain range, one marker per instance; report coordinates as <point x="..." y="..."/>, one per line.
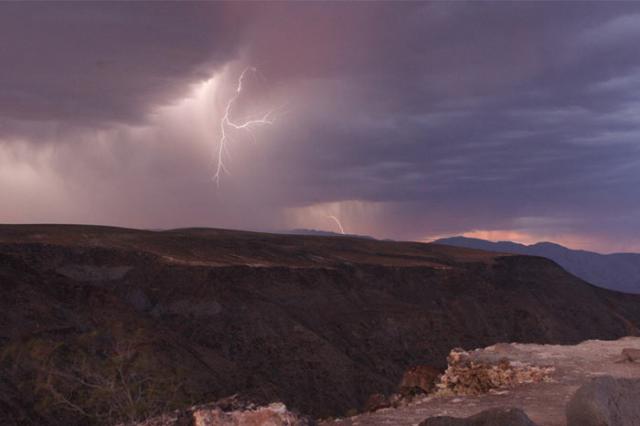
<point x="619" y="271"/>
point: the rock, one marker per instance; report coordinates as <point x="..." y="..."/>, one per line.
<point x="229" y="411"/>
<point x="605" y="401"/>
<point x="275" y="414"/>
<point x="376" y="401"/>
<point x="491" y="417"/>
<point x="419" y="379"/>
<point x="629" y="355"/>
<point x="469" y="375"/>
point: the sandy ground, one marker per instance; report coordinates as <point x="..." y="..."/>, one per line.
<point x="544" y="403"/>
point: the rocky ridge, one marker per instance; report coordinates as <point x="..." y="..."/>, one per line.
<point x="616" y="271"/>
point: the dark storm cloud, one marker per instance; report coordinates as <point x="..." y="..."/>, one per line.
<point x="94" y="62"/>
<point x="500" y="110"/>
<point x="452" y="116"/>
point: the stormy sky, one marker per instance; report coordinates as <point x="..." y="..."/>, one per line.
<point x="404" y="120"/>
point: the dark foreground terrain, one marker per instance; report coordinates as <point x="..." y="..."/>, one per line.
<point x="99" y="324"/>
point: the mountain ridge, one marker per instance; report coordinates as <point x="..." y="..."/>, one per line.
<point x="614" y="271"/>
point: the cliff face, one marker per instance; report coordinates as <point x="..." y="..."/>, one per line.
<point x="99" y="325"/>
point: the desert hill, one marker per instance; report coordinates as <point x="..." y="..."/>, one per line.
<point x="100" y="325"/>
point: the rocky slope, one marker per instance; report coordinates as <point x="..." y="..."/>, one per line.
<point x="550" y="401"/>
<point x="618" y="271"/>
<point x="100" y="325"/>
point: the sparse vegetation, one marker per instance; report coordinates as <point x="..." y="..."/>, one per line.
<point x="78" y="382"/>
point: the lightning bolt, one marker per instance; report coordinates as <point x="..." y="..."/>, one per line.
<point x="337" y="221"/>
<point x="226" y="124"/>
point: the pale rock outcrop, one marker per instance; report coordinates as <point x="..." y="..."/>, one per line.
<point x="469" y="375"/>
<point x="629" y="355"/>
<point x="230" y="412"/>
<point x="275" y="414"/>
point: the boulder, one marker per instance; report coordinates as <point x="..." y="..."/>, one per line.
<point x="605" y="401"/>
<point x="491" y="417"/>
<point x="629" y="355"/>
<point x="377" y="401"/>
<point x="419" y="379"/>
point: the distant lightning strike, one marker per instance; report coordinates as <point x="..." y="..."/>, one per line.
<point x="337" y="221"/>
<point x="227" y="123"/>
